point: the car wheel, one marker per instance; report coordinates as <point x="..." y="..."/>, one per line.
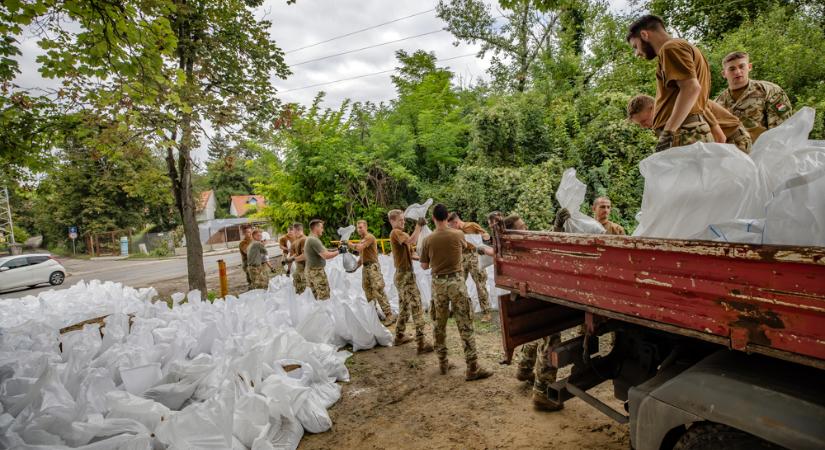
<point x="56" y="278"/>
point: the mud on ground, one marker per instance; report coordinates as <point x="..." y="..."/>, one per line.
<point x="396" y="399"/>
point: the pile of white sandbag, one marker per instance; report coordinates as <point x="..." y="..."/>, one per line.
<point x="715" y="192"/>
<point x="248" y="372"/>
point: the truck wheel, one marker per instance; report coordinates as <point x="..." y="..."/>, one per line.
<point x="713" y="436"/>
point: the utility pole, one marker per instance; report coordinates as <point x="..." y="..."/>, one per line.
<point x="6" y="223"/>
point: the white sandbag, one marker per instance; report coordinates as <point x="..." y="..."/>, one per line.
<point x="570" y="195"/>
<point x="745" y="231"/>
<point x="796" y="213"/>
<point x="688" y="188"/>
<point x="138" y="379"/>
<point x="123" y="405"/>
<point x="344" y="233"/>
<point x="418" y="211"/>
<point x="422" y="237"/>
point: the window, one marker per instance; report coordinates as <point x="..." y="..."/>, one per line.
<point x="16" y="263"/>
<point x="37" y="259"/>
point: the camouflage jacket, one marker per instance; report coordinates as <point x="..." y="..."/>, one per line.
<point x="761" y="107"/>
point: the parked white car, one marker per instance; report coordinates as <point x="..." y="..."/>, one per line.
<point x="30" y="270"/>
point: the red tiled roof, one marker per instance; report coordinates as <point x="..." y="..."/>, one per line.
<point x="203" y="200"/>
<point x="243" y="202"/>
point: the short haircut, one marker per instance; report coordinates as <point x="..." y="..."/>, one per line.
<point x="290" y="228"/>
<point x="257" y="231"/>
<point x="510" y="221"/>
<point x="246" y="227"/>
<point x="596" y="200"/>
<point x="647" y="22"/>
<point x="297" y="226"/>
<point x="453" y="216"/>
<point x="394" y="214"/>
<point x="360" y="221"/>
<point x="733" y="56"/>
<point x="638" y="104"/>
<point x="440" y="212"/>
<point x="314" y="223"/>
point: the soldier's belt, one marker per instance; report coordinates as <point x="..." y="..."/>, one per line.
<point x="369" y="263"/>
<point x="444" y="276"/>
<point x="689" y="120"/>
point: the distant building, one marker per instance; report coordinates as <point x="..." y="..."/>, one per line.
<point x="206" y="206"/>
<point x="241" y="204"/>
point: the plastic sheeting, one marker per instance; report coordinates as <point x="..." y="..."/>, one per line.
<point x="570" y="195"/>
<point x="714" y="192"/>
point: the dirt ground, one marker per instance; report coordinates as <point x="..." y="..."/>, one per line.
<point x="396" y="399"/>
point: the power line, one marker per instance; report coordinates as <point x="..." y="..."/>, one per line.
<point x="367" y="75"/>
<point x="365" y="48"/>
<point x="359" y="31"/>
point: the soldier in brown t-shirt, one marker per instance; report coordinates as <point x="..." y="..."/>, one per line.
<point x="296" y="249"/>
<point x="409" y="297"/>
<point x="242" y="247"/>
<point x="469" y="261"/>
<point x="371" y="278"/>
<point x="442" y="253"/>
<point x="682" y="83"/>
<point x="284" y="242"/>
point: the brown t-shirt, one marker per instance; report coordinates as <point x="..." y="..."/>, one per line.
<point x="401" y="250"/>
<point x="472" y="228"/>
<point x="612" y="228"/>
<point x="284" y="240"/>
<point x="370" y="251"/>
<point x="716" y="114"/>
<point x="243" y="246"/>
<point x="442" y="251"/>
<point x="297" y="248"/>
<point x="679" y="60"/>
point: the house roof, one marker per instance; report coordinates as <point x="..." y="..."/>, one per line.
<point x="203" y="199"/>
<point x="243" y="202"/>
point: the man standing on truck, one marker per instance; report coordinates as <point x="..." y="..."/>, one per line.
<point x="682" y="83"/>
<point x="726" y="128"/>
<point x="315" y="256"/>
<point x="760" y="105"/>
<point x="295" y="250"/>
<point x="469" y="261"/>
<point x="371" y="278"/>
<point x="409" y="298"/>
<point x="442" y="252"/>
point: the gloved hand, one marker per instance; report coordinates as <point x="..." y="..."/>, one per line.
<point x="422" y="222"/>
<point x="342" y="249"/>
<point x="561" y="218"/>
<point x="665" y="141"/>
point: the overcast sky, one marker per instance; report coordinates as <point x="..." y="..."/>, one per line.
<point x="308" y="22"/>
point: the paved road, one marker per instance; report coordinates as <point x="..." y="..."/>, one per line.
<point x="133" y="272"/>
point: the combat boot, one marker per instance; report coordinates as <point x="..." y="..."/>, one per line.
<point x="444" y="365"/>
<point x="401" y="339"/>
<point x="476" y="372"/>
<point x="525" y="374"/>
<point x="542" y="403"/>
<point x="424" y="347"/>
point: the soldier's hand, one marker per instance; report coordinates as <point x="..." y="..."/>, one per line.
<point x="561" y="218"/>
<point x="342" y="249"/>
<point x="665" y="141"/>
<point x="422" y="222"/>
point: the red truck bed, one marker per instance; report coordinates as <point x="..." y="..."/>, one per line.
<point x="761" y="299"/>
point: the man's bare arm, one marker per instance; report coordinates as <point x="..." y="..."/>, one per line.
<point x="689" y="91"/>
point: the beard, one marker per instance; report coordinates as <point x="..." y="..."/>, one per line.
<point x="647" y="49"/>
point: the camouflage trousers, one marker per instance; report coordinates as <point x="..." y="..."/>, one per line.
<point x="259" y="276"/>
<point x="534" y="357"/>
<point x="316" y="278"/>
<point x="694" y="129"/>
<point x="469" y="263"/>
<point x="245" y="269"/>
<point x="299" y="280"/>
<point x="373" y="283"/>
<point x="741" y="139"/>
<point x="452" y="291"/>
<point x="409" y="304"/>
<point x="278" y="268"/>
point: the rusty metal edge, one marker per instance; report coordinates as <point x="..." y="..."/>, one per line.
<point x="712" y="338"/>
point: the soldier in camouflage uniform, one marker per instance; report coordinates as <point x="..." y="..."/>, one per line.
<point x="296" y="249"/>
<point x="409" y="298"/>
<point x="469" y="261"/>
<point x="258" y="266"/>
<point x="315" y="256"/>
<point x="371" y="278"/>
<point x="442" y="252"/>
<point x="681" y="68"/>
<point x="760" y="105"/>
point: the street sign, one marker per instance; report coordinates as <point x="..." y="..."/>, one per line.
<point x="72" y="233"/>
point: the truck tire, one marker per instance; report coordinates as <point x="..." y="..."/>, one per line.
<point x="713" y="436"/>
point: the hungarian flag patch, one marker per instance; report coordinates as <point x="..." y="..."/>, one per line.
<point x="781" y="107"/>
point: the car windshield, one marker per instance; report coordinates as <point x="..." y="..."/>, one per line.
<point x="12" y="263"/>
